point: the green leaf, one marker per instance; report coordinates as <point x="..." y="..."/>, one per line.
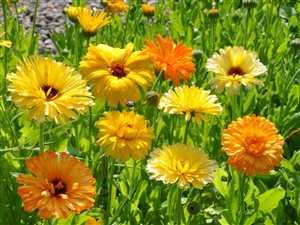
<point x="171" y="199"/>
<point x="139" y="191"/>
<point x="218" y="181"/>
<point x="270" y="199"/>
<point x="293" y="100"/>
<point x="287" y="11"/>
<point x="175" y="18"/>
<point x="279" y="84"/>
<point x="154" y="198"/>
<point x="250" y="103"/>
<point x="293" y="122"/>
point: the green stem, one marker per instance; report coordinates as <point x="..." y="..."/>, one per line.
<point x="132" y="180"/>
<point x="18" y="24"/>
<point x="110" y="183"/>
<point x="158" y="80"/>
<point x="41" y="137"/>
<point x="126" y="25"/>
<point x="31" y="50"/>
<point x="234" y="107"/>
<point x="186" y="133"/>
<point x="246" y="28"/>
<point x="3" y="83"/>
<point x="76" y="45"/>
<point x="268" y="26"/>
<point x="140" y="106"/>
<point x="97" y="158"/>
<point x="213" y="27"/>
<point x="179" y="194"/>
<point x="242" y="201"/>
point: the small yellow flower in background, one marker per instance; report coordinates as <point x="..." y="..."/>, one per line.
<point x="92" y="221"/>
<point x="183" y="164"/>
<point x="235" y="66"/>
<point x="72" y="13"/>
<point x="59" y="185"/>
<point x="117" y="73"/>
<point x="4" y="42"/>
<point x="49" y="89"/>
<point x="213" y="13"/>
<point x="125" y="134"/>
<point x="148" y="10"/>
<point x="171" y="58"/>
<point x="191" y="101"/>
<point x="91" y="22"/>
<point x="253" y="145"/>
<point x="114" y="6"/>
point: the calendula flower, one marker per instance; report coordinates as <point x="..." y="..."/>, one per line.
<point x="72" y="13"/>
<point x="5" y="43"/>
<point x="148" y="10"/>
<point x="253" y="145"/>
<point x="92" y="221"/>
<point x="114" y="6"/>
<point x="91" y="22"/>
<point x="171" y="58"/>
<point x="191" y="101"/>
<point x="183" y="164"/>
<point x="117" y="73"/>
<point x="49" y="89"/>
<point x="235" y="66"/>
<point x="59" y="184"/>
<point x="124" y="134"/>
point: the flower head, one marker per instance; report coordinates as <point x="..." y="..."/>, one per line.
<point x="253" y="145"/>
<point x="171" y="58"/>
<point x="92" y="221"/>
<point x="117" y="73"/>
<point x="114" y="6"/>
<point x="213" y="13"/>
<point x="235" y="66"/>
<point x="59" y="185"/>
<point x="4" y="42"/>
<point x="148" y="10"/>
<point x="192" y="101"/>
<point x="72" y="13"/>
<point x="182" y="164"/>
<point x="91" y="22"/>
<point x="49" y="89"/>
<point x="125" y="134"/>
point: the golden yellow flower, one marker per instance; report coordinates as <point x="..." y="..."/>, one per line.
<point x="92" y="221"/>
<point x="124" y="134"/>
<point x="4" y="42"/>
<point x="49" y="88"/>
<point x="148" y="10"/>
<point x="253" y="145"/>
<point x="183" y="164"/>
<point x="171" y="58"/>
<point x="192" y="101"/>
<point x="117" y="73"/>
<point x="72" y="13"/>
<point x="115" y="6"/>
<point x="59" y="185"/>
<point x="235" y="66"/>
<point x="91" y="22"/>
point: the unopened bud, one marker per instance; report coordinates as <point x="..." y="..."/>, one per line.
<point x="152" y="98"/>
<point x="213" y="13"/>
<point x="295" y="43"/>
<point x="193" y="208"/>
<point x="250" y="4"/>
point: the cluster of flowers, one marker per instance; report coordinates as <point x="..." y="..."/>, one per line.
<point x="52" y="91"/>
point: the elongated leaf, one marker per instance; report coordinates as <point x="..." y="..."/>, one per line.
<point x="219" y="183"/>
<point x="154" y="199"/>
<point x="270" y="199"/>
<point x="139" y="191"/>
<point x="293" y="122"/>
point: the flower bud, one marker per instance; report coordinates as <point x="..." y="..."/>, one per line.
<point x="148" y="10"/>
<point x="250" y="4"/>
<point x="295" y="43"/>
<point x="193" y="208"/>
<point x="197" y="54"/>
<point x="213" y="13"/>
<point x="152" y="98"/>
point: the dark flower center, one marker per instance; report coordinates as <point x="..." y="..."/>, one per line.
<point x="57" y="188"/>
<point x="50" y="92"/>
<point x="118" y="70"/>
<point x="236" y="71"/>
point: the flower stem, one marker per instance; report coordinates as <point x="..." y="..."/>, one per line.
<point x="3" y="83"/>
<point x="246" y="28"/>
<point x="31" y="50"/>
<point x="213" y="27"/>
<point x="179" y="194"/>
<point x="234" y="107"/>
<point x="76" y="45"/>
<point x="158" y="80"/>
<point x="268" y="24"/>
<point x="140" y="106"/>
<point x="132" y="180"/>
<point x="242" y="201"/>
<point x="110" y="182"/>
<point x="41" y="137"/>
<point x="186" y="133"/>
<point x="97" y="158"/>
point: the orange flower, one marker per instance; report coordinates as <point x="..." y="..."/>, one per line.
<point x="57" y="186"/>
<point x="171" y="58"/>
<point x="253" y="145"/>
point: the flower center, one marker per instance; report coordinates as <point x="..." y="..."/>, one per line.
<point x="127" y="131"/>
<point x="236" y="71"/>
<point x="50" y="92"/>
<point x="118" y="70"/>
<point x="57" y="188"/>
<point x="255" y="145"/>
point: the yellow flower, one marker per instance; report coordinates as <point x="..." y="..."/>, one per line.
<point x="192" y="101"/>
<point x="117" y="73"/>
<point x="72" y="13"/>
<point x="125" y="134"/>
<point x="148" y="10"/>
<point x="115" y="6"/>
<point x="89" y="22"/>
<point x="235" y="66"/>
<point x="171" y="58"/>
<point x="59" y="185"/>
<point x="92" y="221"/>
<point x="253" y="145"/>
<point x="4" y="42"/>
<point x="182" y="164"/>
<point x="49" y="89"/>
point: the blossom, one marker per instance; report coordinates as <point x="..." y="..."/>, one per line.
<point x="171" y="58"/>
<point x="183" y="164"/>
<point x="235" y="66"/>
<point x="92" y="221"/>
<point x="117" y="73"/>
<point x="192" y="101"/>
<point x="58" y="185"/>
<point x="72" y="13"/>
<point x="124" y="134"/>
<point x="253" y="145"/>
<point x="49" y="88"/>
<point x="91" y="22"/>
<point x="114" y="6"/>
<point x="5" y="43"/>
<point x="148" y="10"/>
